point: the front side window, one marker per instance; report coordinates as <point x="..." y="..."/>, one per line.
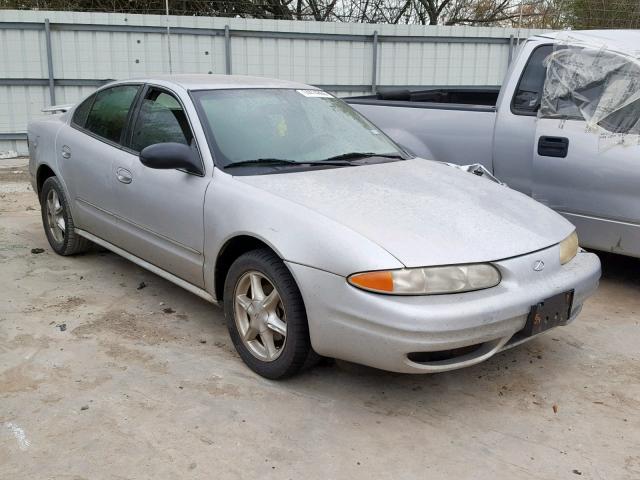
<point x="161" y="119"/>
<point x="593" y="84"/>
<point x="108" y="115"/>
<point x="528" y="95"/>
<point x="300" y="126"/>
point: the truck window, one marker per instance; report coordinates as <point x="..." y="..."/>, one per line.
<point x="593" y="84"/>
<point x="526" y="100"/>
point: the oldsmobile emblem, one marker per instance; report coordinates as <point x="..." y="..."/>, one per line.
<point x="538" y="265"/>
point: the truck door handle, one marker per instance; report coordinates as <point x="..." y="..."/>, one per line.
<point x="123" y="175"/>
<point x="553" y="146"/>
<point x="66" y="151"/>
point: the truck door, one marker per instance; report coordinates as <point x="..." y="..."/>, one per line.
<point x="586" y="163"/>
<point x="517" y="116"/>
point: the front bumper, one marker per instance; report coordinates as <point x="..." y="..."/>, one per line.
<point x="382" y="330"/>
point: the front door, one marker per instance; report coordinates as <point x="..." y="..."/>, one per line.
<point x="516" y="120"/>
<point x="160" y="212"/>
<point x="587" y="147"/>
<point x="592" y="180"/>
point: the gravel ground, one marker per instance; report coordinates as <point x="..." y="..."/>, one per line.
<point x="97" y="380"/>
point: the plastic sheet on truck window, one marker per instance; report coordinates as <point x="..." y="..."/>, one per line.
<point x="598" y="83"/>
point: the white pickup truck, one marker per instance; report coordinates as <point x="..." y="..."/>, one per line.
<point x="564" y="129"/>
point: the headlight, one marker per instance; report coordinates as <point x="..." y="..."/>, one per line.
<point x="568" y="248"/>
<point x="428" y="280"/>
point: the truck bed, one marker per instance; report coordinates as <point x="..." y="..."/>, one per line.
<point x="435" y="123"/>
<point x="455" y="98"/>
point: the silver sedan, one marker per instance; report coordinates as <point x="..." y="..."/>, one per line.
<point x="317" y="234"/>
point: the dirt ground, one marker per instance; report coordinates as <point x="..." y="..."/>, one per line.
<point x="100" y="378"/>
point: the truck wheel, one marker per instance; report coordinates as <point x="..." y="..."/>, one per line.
<point x="57" y="221"/>
<point x="265" y="315"/>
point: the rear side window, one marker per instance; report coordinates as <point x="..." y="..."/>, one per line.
<point x="528" y="96"/>
<point x="82" y="112"/>
<point x="108" y="115"/>
<point x="161" y="119"/>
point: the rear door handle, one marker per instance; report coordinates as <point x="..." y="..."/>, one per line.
<point x="123" y="175"/>
<point x="66" y="151"/>
<point x="553" y="146"/>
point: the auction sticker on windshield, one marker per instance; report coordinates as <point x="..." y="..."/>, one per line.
<point x="314" y="93"/>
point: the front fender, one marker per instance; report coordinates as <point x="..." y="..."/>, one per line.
<point x="296" y="233"/>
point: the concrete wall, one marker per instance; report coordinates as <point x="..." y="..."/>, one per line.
<point x="79" y="51"/>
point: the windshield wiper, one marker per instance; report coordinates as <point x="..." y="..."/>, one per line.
<point x="358" y="155"/>
<point x="284" y="161"/>
<point x="263" y="161"/>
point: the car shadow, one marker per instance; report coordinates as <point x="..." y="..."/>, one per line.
<point x="619" y="268"/>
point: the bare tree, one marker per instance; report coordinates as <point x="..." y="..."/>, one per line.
<point x="601" y="14"/>
<point x="527" y="13"/>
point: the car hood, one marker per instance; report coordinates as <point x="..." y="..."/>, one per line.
<point x="423" y="212"/>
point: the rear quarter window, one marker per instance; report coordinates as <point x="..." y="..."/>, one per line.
<point x="82" y="112"/>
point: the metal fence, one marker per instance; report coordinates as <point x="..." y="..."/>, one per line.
<point x="49" y="58"/>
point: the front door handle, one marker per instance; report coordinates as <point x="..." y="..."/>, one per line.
<point x="66" y="151"/>
<point x="123" y="175"/>
<point x="553" y="146"/>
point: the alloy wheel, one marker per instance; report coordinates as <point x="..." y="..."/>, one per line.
<point x="260" y="316"/>
<point x="55" y="216"/>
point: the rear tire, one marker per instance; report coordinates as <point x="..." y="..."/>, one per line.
<point x="266" y="316"/>
<point x="57" y="220"/>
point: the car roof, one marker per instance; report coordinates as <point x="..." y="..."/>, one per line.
<point x="627" y="39"/>
<point x="219" y="82"/>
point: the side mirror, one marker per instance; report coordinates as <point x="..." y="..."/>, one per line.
<point x="169" y="156"/>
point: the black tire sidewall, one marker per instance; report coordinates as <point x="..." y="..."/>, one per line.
<point x="297" y="345"/>
<point x="52" y="183"/>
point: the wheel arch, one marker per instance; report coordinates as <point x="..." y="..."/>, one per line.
<point x="231" y="250"/>
<point x="44" y="172"/>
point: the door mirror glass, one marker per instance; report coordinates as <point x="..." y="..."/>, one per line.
<point x="171" y="155"/>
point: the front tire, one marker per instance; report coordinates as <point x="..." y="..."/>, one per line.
<point x="57" y="220"/>
<point x="265" y="315"/>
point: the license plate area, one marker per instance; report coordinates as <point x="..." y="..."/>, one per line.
<point x="548" y="313"/>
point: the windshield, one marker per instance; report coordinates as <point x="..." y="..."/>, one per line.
<point x="300" y="126"/>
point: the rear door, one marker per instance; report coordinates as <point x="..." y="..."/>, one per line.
<point x="86" y="149"/>
<point x="160" y="212"/>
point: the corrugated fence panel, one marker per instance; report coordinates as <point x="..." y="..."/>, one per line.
<point x="89" y="48"/>
<point x="442" y="63"/>
<point x="18" y="104"/>
<point x="310" y="61"/>
<point x="23" y="54"/>
<point x="193" y="54"/>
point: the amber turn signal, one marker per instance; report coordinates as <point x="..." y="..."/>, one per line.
<point x="376" y="281"/>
